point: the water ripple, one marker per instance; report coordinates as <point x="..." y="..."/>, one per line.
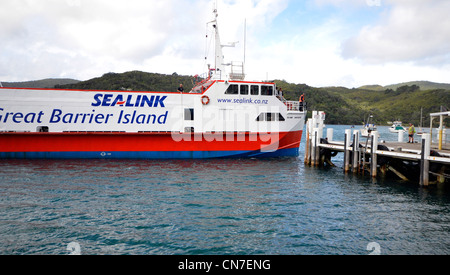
<point x="213" y="207"/>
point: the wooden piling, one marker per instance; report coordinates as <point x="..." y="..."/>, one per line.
<point x="317" y="148"/>
<point x="355" y="151"/>
<point x="383" y="170"/>
<point x="348" y="136"/>
<point x="314" y="132"/>
<point x="346" y="154"/>
<point x="313" y="146"/>
<point x="308" y="143"/>
<point x="424" y="162"/>
<point x="330" y="132"/>
<point x="373" y="158"/>
<point x="441" y="129"/>
<point x="440" y="176"/>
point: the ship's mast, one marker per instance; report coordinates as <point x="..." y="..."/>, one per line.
<point x="219" y="70"/>
<point x="219" y="62"/>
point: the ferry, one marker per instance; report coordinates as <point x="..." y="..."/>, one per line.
<point x="223" y="116"/>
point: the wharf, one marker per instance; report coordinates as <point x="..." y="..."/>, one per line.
<point x="422" y="161"/>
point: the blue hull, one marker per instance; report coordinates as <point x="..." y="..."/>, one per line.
<point x="294" y="152"/>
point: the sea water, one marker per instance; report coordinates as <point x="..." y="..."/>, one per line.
<point x="226" y="206"/>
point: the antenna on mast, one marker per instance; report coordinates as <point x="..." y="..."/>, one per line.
<point x="219" y="68"/>
<point x="245" y="38"/>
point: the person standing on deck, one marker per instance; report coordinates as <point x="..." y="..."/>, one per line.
<point x="302" y="102"/>
<point x="411" y="133"/>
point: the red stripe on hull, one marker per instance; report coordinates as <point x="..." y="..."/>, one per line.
<point x="141" y="142"/>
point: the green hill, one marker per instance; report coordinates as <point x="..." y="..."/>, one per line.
<point x="134" y="81"/>
<point x="329" y="100"/>
<point x="404" y="103"/>
<point x="44" y="83"/>
<point x="424" y="85"/>
<point x="373" y="87"/>
<point x="350" y="106"/>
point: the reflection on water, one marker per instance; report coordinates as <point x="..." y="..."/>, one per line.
<point x="247" y="206"/>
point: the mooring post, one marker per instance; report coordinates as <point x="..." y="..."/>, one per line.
<point x="320" y="127"/>
<point x="400" y="136"/>
<point x="444" y="136"/>
<point x="348" y="137"/>
<point x="311" y="136"/>
<point x="315" y="130"/>
<point x="441" y="132"/>
<point x="313" y="146"/>
<point x="311" y="143"/>
<point x="318" y="136"/>
<point x="353" y="152"/>
<point x="425" y="163"/>
<point x="330" y="132"/>
<point x="374" y="159"/>
<point x="355" y="163"/>
<point x="308" y="143"/>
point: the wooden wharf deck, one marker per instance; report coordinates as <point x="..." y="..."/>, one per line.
<point x="388" y="156"/>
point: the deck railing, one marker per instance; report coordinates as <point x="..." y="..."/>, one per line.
<point x="295" y="106"/>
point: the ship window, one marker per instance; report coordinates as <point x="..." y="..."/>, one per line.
<point x="244" y="89"/>
<point x="270" y="117"/>
<point x="266" y="90"/>
<point x="254" y="90"/>
<point x="188" y="114"/>
<point x="232" y="90"/>
<point x="261" y="117"/>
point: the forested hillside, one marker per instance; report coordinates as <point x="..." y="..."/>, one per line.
<point x="338" y="110"/>
<point x="44" y="83"/>
<point x="351" y="106"/>
<point x="134" y="81"/>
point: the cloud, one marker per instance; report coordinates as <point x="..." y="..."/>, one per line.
<point x="410" y="31"/>
<point x="44" y="38"/>
<point x="86" y="38"/>
<point x="318" y="42"/>
<point x="347" y="3"/>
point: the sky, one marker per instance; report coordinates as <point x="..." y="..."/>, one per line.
<point x="320" y="43"/>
